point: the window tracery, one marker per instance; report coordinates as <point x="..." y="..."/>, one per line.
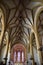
<point x="19" y="56"/>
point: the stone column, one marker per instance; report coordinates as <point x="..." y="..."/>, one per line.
<point x="38" y="46"/>
<point x="31" y="50"/>
<point x="8" y="57"/>
<point x="7" y="54"/>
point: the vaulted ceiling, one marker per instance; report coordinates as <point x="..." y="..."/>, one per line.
<point x="19" y="18"/>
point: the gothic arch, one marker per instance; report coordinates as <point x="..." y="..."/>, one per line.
<point x="39" y="10"/>
<point x="2" y="22"/>
<point x="18" y="47"/>
<point x="5" y="45"/>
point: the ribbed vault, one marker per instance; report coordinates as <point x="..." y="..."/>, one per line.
<point x="19" y="19"/>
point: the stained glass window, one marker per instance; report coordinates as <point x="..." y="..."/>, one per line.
<point x="14" y="56"/>
<point x="18" y="58"/>
<point x="22" y="56"/>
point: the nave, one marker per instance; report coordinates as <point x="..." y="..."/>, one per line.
<point x="21" y="32"/>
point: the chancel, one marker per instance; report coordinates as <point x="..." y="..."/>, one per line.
<point x="21" y="32"/>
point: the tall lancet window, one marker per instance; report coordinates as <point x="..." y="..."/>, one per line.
<point x="18" y="56"/>
<point x="22" y="56"/>
<point x="15" y="56"/>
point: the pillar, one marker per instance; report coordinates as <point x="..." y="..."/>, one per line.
<point x="31" y="50"/>
<point x="8" y="58"/>
<point x="38" y="46"/>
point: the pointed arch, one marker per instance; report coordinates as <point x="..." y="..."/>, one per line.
<point x="39" y="10"/>
<point x="2" y="24"/>
<point x="5" y="45"/>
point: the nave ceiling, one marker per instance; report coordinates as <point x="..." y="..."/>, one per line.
<point x="19" y="18"/>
